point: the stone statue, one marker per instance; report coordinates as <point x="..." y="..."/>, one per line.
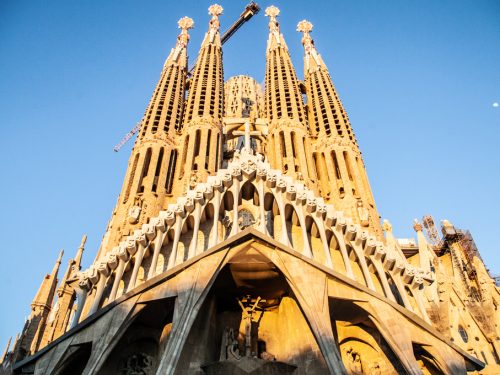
<point x="248" y="306"/>
<point x="353" y="364"/>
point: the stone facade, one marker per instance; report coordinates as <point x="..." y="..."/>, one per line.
<point x="246" y="240"/>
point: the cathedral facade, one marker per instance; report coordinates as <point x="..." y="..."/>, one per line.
<point x="246" y="240"/>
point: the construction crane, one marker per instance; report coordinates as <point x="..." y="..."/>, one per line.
<point x="250" y="10"/>
<point x="129" y="135"/>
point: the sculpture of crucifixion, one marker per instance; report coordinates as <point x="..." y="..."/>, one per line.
<point x="248" y="307"/>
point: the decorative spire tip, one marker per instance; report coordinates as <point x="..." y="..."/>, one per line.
<point x="272" y="11"/>
<point x="185" y="23"/>
<point x="215" y="10"/>
<point x="304" y="26"/>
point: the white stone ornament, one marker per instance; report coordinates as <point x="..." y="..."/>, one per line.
<point x="185" y="23"/>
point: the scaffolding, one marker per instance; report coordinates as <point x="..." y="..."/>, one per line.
<point x="461" y="247"/>
<point x="430" y="230"/>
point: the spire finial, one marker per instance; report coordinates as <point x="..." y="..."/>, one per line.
<point x="272" y="12"/>
<point x="215" y="10"/>
<point x="185" y="23"/>
<point x="304" y="27"/>
<point x="213" y="26"/>
<point x="274" y="27"/>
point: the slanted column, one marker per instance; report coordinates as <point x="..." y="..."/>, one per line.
<point x="103" y="271"/>
<point x="140" y="238"/>
<point x="159" y="225"/>
<point x="417" y="294"/>
<point x="179" y="218"/>
<point x="118" y="278"/>
<point x="82" y="291"/>
<point x="214" y="234"/>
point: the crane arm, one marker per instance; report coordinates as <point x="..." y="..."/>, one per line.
<point x="250" y="10"/>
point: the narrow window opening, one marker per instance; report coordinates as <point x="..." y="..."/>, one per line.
<point x="207" y="152"/>
<point x="131" y="178"/>
<point x="170" y="172"/>
<point x="184" y="153"/>
<point x="157" y="170"/>
<point x="336" y="165"/>
<point x="293" y="144"/>
<point x="145" y="168"/>
<point x="217" y="154"/>
<point x="196" y="151"/>
<point x="282" y="144"/>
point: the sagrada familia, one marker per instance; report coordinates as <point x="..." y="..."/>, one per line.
<point x="246" y="240"/>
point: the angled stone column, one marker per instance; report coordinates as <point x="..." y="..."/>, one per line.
<point x="309" y="286"/>
<point x="192" y="286"/>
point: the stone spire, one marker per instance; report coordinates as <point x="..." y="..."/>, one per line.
<point x="340" y="169"/>
<point x="149" y="179"/>
<point x="59" y="317"/>
<point x="204" y="109"/>
<point x="327" y="116"/>
<point x="288" y="134"/>
<point x="4" y="354"/>
<point x="40" y="309"/>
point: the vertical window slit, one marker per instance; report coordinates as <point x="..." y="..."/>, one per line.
<point x="131" y="178"/>
<point x="170" y="172"/>
<point x="207" y="152"/>
<point x="157" y="170"/>
<point x="145" y="168"/>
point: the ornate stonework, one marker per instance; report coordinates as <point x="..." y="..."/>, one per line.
<point x="246" y="240"/>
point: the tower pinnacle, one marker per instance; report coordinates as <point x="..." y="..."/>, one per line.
<point x="285" y="108"/>
<point x="214" y="24"/>
<point x="312" y="59"/>
<point x="185" y="24"/>
<point x="275" y="37"/>
<point x="202" y="126"/>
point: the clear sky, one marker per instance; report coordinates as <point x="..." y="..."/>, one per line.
<point x="418" y="80"/>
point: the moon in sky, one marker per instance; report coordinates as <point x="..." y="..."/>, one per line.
<point x="495" y="104"/>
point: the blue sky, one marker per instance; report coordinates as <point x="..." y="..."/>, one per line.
<point x="418" y="80"/>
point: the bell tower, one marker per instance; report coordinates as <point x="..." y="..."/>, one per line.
<point x="149" y="180"/>
<point x="288" y="134"/>
<point x="337" y="159"/>
<point x="201" y="138"/>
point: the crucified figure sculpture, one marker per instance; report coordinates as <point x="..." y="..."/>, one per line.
<point x="248" y="307"/>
